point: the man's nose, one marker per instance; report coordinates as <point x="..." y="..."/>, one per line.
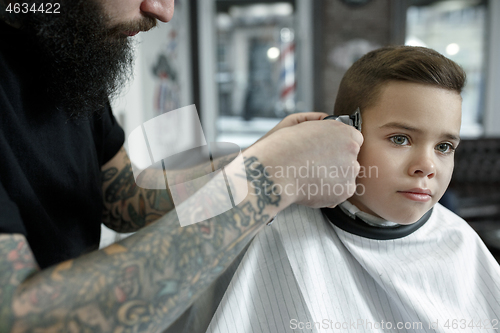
<point x="159" y="9"/>
<point x="423" y="164"/>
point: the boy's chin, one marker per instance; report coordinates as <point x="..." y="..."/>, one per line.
<point x="406" y="222"/>
<point x="405" y="218"/>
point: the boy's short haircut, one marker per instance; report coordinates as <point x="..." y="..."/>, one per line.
<point x="362" y="82"/>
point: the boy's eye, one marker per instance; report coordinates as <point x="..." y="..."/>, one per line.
<point x="400" y="140"/>
<point x="445" y="148"/>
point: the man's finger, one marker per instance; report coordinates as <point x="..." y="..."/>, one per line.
<point x="358" y="137"/>
<point x="307" y="116"/>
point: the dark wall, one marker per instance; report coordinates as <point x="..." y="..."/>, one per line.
<point x="337" y="25"/>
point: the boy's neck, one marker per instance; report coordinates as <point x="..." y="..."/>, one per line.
<point x="352" y="211"/>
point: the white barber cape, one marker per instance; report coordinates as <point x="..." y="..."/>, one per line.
<point x="305" y="274"/>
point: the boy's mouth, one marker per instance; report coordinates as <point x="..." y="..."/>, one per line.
<point x="417" y="194"/>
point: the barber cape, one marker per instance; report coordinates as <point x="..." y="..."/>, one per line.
<point x="314" y="271"/>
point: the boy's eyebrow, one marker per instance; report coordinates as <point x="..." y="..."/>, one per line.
<point x="417" y="130"/>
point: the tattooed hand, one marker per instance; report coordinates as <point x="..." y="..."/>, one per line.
<point x="312" y="163"/>
<point x="140" y="284"/>
<point x="146" y="281"/>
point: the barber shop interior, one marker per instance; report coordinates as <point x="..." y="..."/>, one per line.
<point x="247" y="64"/>
<point x="250" y="166"/>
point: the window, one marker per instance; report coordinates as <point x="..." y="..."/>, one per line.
<point x="457" y="29"/>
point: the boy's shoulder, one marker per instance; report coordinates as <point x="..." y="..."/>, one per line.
<point x="442" y="217"/>
<point x="445" y="225"/>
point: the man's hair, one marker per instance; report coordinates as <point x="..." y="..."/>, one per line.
<point x="361" y="84"/>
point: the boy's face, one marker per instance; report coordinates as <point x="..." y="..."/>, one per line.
<point x="409" y="136"/>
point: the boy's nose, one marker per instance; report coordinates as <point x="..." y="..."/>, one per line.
<point x="159" y="9"/>
<point x="423" y="165"/>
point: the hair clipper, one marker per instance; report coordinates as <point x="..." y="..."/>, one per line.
<point x="353" y="120"/>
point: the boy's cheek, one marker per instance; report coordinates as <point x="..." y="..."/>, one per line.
<point x="444" y="175"/>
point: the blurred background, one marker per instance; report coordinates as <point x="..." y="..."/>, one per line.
<point x="246" y="64"/>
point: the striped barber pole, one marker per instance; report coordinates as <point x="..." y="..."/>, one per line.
<point x="287" y="75"/>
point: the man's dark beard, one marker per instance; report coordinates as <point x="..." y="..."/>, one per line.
<point x="85" y="61"/>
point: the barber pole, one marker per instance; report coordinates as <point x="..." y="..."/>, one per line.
<point x="287" y="75"/>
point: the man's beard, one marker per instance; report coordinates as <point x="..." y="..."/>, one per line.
<point x="85" y="62"/>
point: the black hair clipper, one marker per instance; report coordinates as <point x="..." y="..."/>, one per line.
<point x="353" y="120"/>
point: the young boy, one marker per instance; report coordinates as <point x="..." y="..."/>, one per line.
<point x="390" y="259"/>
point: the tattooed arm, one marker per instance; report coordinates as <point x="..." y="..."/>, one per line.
<point x="129" y="207"/>
<point x="142" y="283"/>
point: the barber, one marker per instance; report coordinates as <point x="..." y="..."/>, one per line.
<point x="64" y="171"/>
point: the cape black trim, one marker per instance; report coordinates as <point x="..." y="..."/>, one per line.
<point x="360" y="228"/>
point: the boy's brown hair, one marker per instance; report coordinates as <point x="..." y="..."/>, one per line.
<point x="362" y="82"/>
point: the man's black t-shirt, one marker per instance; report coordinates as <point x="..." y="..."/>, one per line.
<point x="50" y="178"/>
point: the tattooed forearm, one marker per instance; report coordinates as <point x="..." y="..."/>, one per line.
<point x="129" y="207"/>
<point x="261" y="182"/>
<point x="141" y="284"/>
<point x="16" y="265"/>
<point x="121" y="188"/>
